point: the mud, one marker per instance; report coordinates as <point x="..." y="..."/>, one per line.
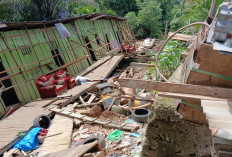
<point x="168" y="134"/>
<point x="95" y="111"/>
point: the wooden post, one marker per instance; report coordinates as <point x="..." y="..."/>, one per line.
<point x="182" y="7"/>
<point x="212" y="8"/>
<point x="166" y="30"/>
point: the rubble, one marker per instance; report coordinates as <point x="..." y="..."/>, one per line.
<point x="120" y="111"/>
<point x="168" y="134"/>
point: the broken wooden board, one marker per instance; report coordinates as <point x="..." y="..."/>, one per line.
<point x="95" y="120"/>
<point x="96" y="65"/>
<point x="103" y="71"/>
<point x="181" y="37"/>
<point x="58" y="142"/>
<point x="73" y="152"/>
<point x="76" y="92"/>
<point x="21" y="120"/>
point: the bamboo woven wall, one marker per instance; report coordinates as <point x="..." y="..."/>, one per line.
<point x="26" y="54"/>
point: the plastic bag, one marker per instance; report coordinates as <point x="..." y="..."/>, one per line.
<point x="30" y="141"/>
<point x="116" y="135"/>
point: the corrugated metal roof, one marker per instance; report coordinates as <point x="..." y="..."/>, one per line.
<point x="37" y="24"/>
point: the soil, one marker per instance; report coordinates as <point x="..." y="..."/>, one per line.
<point x="95" y="111"/>
<point x="113" y="116"/>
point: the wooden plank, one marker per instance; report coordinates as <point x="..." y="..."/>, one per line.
<point x="220" y="124"/>
<point x="221" y="105"/>
<point x="217" y="110"/>
<point x="59" y="142"/>
<point x="72" y="152"/>
<point x="20" y="120"/>
<point x="95" y="65"/>
<point x="144" y="65"/>
<point x="181" y="37"/>
<point x="211" y="61"/>
<point x="190" y="96"/>
<point x="105" y="69"/>
<point x="97" y="17"/>
<point x="177" y="88"/>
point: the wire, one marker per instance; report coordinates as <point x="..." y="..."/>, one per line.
<point x="162" y="47"/>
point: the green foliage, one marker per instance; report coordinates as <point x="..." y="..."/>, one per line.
<point x="193" y="11"/>
<point x="147" y="17"/>
<point x="37" y="10"/>
<point x="147" y="22"/>
<point x="120" y="7"/>
<point x="169" y="58"/>
<point x="167" y="6"/>
<point x="78" y="8"/>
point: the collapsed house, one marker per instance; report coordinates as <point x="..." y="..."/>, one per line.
<point x="31" y="49"/>
<point x="109" y="111"/>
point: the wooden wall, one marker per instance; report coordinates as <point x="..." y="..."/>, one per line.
<point x="208" y="67"/>
<point x="24" y="50"/>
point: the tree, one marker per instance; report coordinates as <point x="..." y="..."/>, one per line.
<point x="27" y="10"/>
<point x="147" y="23"/>
<point x="10" y="10"/>
<point x="193" y="11"/>
<point x="37" y="10"/>
<point x="120" y="7"/>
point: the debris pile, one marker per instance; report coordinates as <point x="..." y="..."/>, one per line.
<point x="104" y="114"/>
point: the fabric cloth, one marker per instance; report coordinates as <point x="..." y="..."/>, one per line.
<point x="30" y="141"/>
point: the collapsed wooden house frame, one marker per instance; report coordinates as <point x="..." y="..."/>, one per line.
<point x="31" y="49"/>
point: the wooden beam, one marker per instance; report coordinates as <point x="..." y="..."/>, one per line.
<point x="181" y="37"/>
<point x="68" y="64"/>
<point x="216" y="92"/>
<point x="190" y="96"/>
<point x="212" y="8"/>
<point x="98" y="17"/>
<point x="13" y="75"/>
<point x="51" y="72"/>
<point x="144" y="65"/>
